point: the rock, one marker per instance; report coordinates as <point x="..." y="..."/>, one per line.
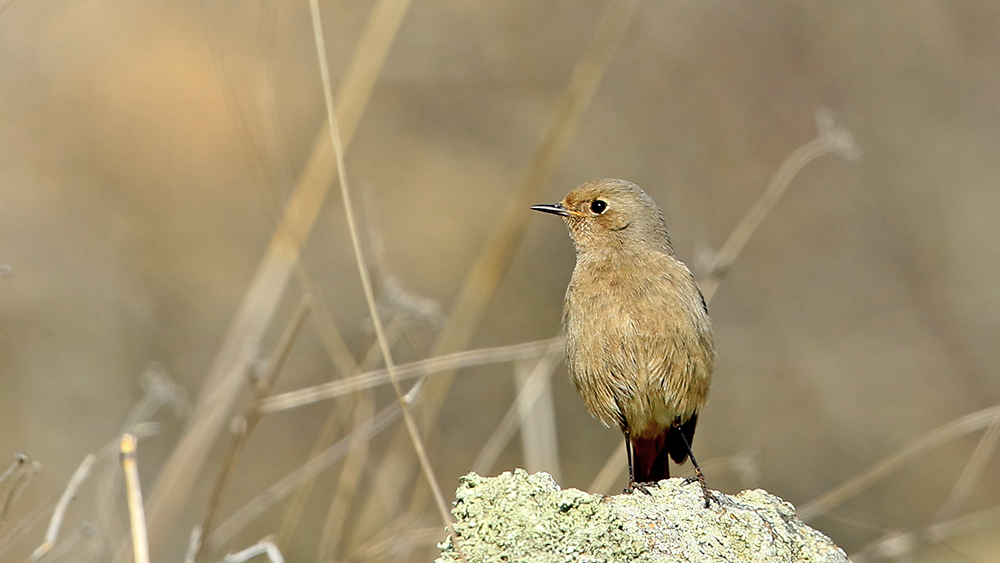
<point x="522" y="517"/>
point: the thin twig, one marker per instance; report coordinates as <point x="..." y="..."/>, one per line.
<point x="938" y="437"/>
<point x="366" y="285"/>
<point x="52" y="534"/>
<point x="459" y="360"/>
<point x="252" y="414"/>
<point x="133" y="490"/>
<point x="831" y="139"/>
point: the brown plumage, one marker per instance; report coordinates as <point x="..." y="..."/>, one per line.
<point x="639" y="343"/>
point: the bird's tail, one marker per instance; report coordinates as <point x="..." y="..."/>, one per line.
<point x="652" y="454"/>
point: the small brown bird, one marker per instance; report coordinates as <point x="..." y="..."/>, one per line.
<point x="639" y="343"/>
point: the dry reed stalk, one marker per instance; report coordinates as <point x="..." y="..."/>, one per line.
<point x="225" y="378"/>
<point x="252" y="416"/>
<point x="133" y="491"/>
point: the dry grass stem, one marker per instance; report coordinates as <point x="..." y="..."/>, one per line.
<point x="495" y="257"/>
<point x="252" y="414"/>
<point x="942" y="435"/>
<point x="335" y="419"/>
<point x="971" y="474"/>
<point x="52" y="533"/>
<point x="329" y="335"/>
<point x="337" y="515"/>
<point x="609" y="473"/>
<point x="459" y="360"/>
<point x="20" y="458"/>
<point x="133" y="491"/>
<point x="388" y="546"/>
<point x="900" y="546"/>
<point x="366" y="285"/>
<point x="294" y="480"/>
<point x="526" y="397"/>
<point x="537" y="415"/>
<point x="264" y="547"/>
<point x="28" y="522"/>
<point x="159" y="391"/>
<point x="194" y="544"/>
<point x="70" y="544"/>
<point x="225" y="377"/>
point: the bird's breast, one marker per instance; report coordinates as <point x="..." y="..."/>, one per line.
<point x="639" y="343"/>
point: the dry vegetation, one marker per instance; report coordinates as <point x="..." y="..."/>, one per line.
<point x="324" y="269"/>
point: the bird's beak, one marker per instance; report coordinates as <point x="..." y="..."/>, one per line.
<point x="553" y="208"/>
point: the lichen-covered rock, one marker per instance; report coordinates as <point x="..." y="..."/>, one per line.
<point x="522" y="517"/>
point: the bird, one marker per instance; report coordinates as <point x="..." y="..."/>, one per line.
<point x="639" y="343"/>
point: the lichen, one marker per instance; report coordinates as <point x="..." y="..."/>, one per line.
<point x="522" y="517"/>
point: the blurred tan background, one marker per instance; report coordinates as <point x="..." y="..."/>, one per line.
<point x="147" y="150"/>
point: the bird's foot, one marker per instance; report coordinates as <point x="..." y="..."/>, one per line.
<point x="708" y="494"/>
<point x="637" y="486"/>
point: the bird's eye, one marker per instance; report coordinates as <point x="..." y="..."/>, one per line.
<point x="598" y="206"/>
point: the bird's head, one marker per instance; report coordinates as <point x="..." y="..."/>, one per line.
<point x="607" y="214"/>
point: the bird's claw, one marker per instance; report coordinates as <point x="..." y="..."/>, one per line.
<point x="705" y="491"/>
<point x="637" y="486"/>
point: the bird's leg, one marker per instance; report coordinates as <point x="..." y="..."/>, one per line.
<point x="632" y="483"/>
<point x="698" y="475"/>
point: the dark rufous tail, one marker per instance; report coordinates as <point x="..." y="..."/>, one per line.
<point x="652" y="455"/>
